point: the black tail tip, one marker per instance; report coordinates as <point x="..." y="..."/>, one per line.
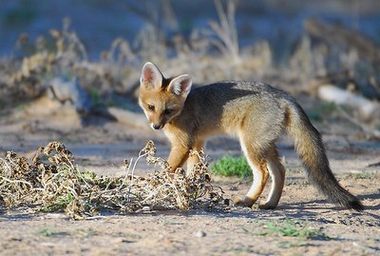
<point x="356" y="205"/>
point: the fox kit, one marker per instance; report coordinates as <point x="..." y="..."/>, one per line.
<point x="254" y="112"/>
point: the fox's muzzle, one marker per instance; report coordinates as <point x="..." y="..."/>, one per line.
<point x="157" y="126"/>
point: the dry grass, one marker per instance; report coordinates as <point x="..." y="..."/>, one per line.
<point x="61" y="54"/>
<point x="209" y="54"/>
<point x="51" y="182"/>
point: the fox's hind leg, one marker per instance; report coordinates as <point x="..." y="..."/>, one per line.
<point x="277" y="174"/>
<point x="258" y="164"/>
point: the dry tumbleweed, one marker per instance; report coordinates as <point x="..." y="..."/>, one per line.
<point x="51" y="182"/>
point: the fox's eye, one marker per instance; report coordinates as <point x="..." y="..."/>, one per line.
<point x="150" y="107"/>
<point x="168" y="111"/>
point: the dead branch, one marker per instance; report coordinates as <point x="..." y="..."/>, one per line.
<point x="129" y="118"/>
<point x="368" y="109"/>
<point x="336" y="34"/>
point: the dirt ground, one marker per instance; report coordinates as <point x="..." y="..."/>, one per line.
<point x="234" y="231"/>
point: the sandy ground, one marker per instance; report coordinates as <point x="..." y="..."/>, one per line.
<point x="234" y="231"/>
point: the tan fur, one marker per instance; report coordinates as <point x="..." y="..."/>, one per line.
<point x="256" y="113"/>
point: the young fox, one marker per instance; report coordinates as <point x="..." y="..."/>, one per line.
<point x="254" y="112"/>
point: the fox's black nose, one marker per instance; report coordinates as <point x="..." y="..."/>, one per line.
<point x="156" y="126"/>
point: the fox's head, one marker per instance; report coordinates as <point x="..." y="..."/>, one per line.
<point x="161" y="98"/>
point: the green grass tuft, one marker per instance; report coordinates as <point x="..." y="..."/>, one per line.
<point x="47" y="232"/>
<point x="293" y="229"/>
<point x="321" y="111"/>
<point x="59" y="204"/>
<point x="232" y="166"/>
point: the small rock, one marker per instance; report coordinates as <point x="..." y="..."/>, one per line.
<point x="234" y="188"/>
<point x="200" y="233"/>
<point x="146" y="209"/>
<point x="65" y="89"/>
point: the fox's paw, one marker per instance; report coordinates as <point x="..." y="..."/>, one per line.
<point x="178" y="171"/>
<point x="244" y="202"/>
<point x="267" y="206"/>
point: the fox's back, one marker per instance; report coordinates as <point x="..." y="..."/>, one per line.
<point x="224" y="106"/>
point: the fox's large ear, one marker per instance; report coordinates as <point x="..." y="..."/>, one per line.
<point x="180" y="85"/>
<point x="151" y="76"/>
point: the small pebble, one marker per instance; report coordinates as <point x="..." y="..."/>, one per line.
<point x="146" y="209"/>
<point x="200" y="233"/>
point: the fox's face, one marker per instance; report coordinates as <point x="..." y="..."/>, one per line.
<point x="162" y="99"/>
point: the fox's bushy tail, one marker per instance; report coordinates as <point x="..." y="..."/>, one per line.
<point x="309" y="146"/>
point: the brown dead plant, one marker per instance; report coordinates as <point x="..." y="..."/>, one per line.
<point x="52" y="182"/>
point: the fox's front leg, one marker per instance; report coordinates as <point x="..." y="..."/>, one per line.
<point x="179" y="153"/>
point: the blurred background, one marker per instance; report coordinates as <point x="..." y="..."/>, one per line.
<point x="99" y="22"/>
<point x="83" y="58"/>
